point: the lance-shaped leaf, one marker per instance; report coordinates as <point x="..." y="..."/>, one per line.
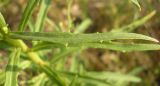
<point x="124" y="47"/>
<point x="12" y="69"/>
<point x="70" y="38"/>
<point x="94" y="40"/>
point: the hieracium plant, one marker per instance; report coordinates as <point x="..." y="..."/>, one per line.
<point x="51" y="72"/>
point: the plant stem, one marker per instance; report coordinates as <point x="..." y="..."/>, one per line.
<point x="32" y="55"/>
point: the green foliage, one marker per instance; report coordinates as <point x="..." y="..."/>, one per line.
<point x="131" y="27"/>
<point x="12" y="69"/>
<point x="52" y="71"/>
<point x="27" y="14"/>
<point x="54" y="76"/>
<point x="2" y="77"/>
<point x="70" y="38"/>
<point x="102" y="78"/>
<point x="42" y="15"/>
<point x="95" y="40"/>
<point x="137" y="4"/>
<point x="2" y="21"/>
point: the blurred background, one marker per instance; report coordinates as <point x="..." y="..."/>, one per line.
<point x="100" y="16"/>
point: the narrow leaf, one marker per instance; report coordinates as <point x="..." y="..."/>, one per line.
<point x="27" y="13"/>
<point x="62" y="54"/>
<point x="137" y="4"/>
<point x="46" y="45"/>
<point x="131" y="27"/>
<point x="2" y="21"/>
<point x="124" y="47"/>
<point x="74" y="81"/>
<point x="42" y="15"/>
<point x="12" y="69"/>
<point x="70" y="38"/>
<point x="114" y="76"/>
<point x="38" y="80"/>
<point x="2" y="77"/>
<point x="54" y="76"/>
<point x="83" y="26"/>
<point x="3" y="26"/>
<point x="102" y="77"/>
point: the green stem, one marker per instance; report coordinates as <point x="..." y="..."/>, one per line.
<point x="36" y="59"/>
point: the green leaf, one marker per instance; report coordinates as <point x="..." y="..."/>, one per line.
<point x="114" y="76"/>
<point x="134" y="25"/>
<point x="12" y="68"/>
<point x="46" y="45"/>
<point x="2" y="21"/>
<point x="85" y="78"/>
<point x="63" y="54"/>
<point x="70" y="38"/>
<point x="123" y="47"/>
<point x="4" y="45"/>
<point x="94" y="40"/>
<point x="54" y="76"/>
<point x="111" y="45"/>
<point x="31" y="25"/>
<point x="137" y="4"/>
<point x="83" y="26"/>
<point x="27" y="14"/>
<point x="38" y="80"/>
<point x="73" y="81"/>
<point x="42" y="15"/>
<point x="69" y="18"/>
<point x="103" y="78"/>
<point x="2" y="77"/>
<point x="3" y="26"/>
<point x="108" y="45"/>
<point x="25" y="64"/>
